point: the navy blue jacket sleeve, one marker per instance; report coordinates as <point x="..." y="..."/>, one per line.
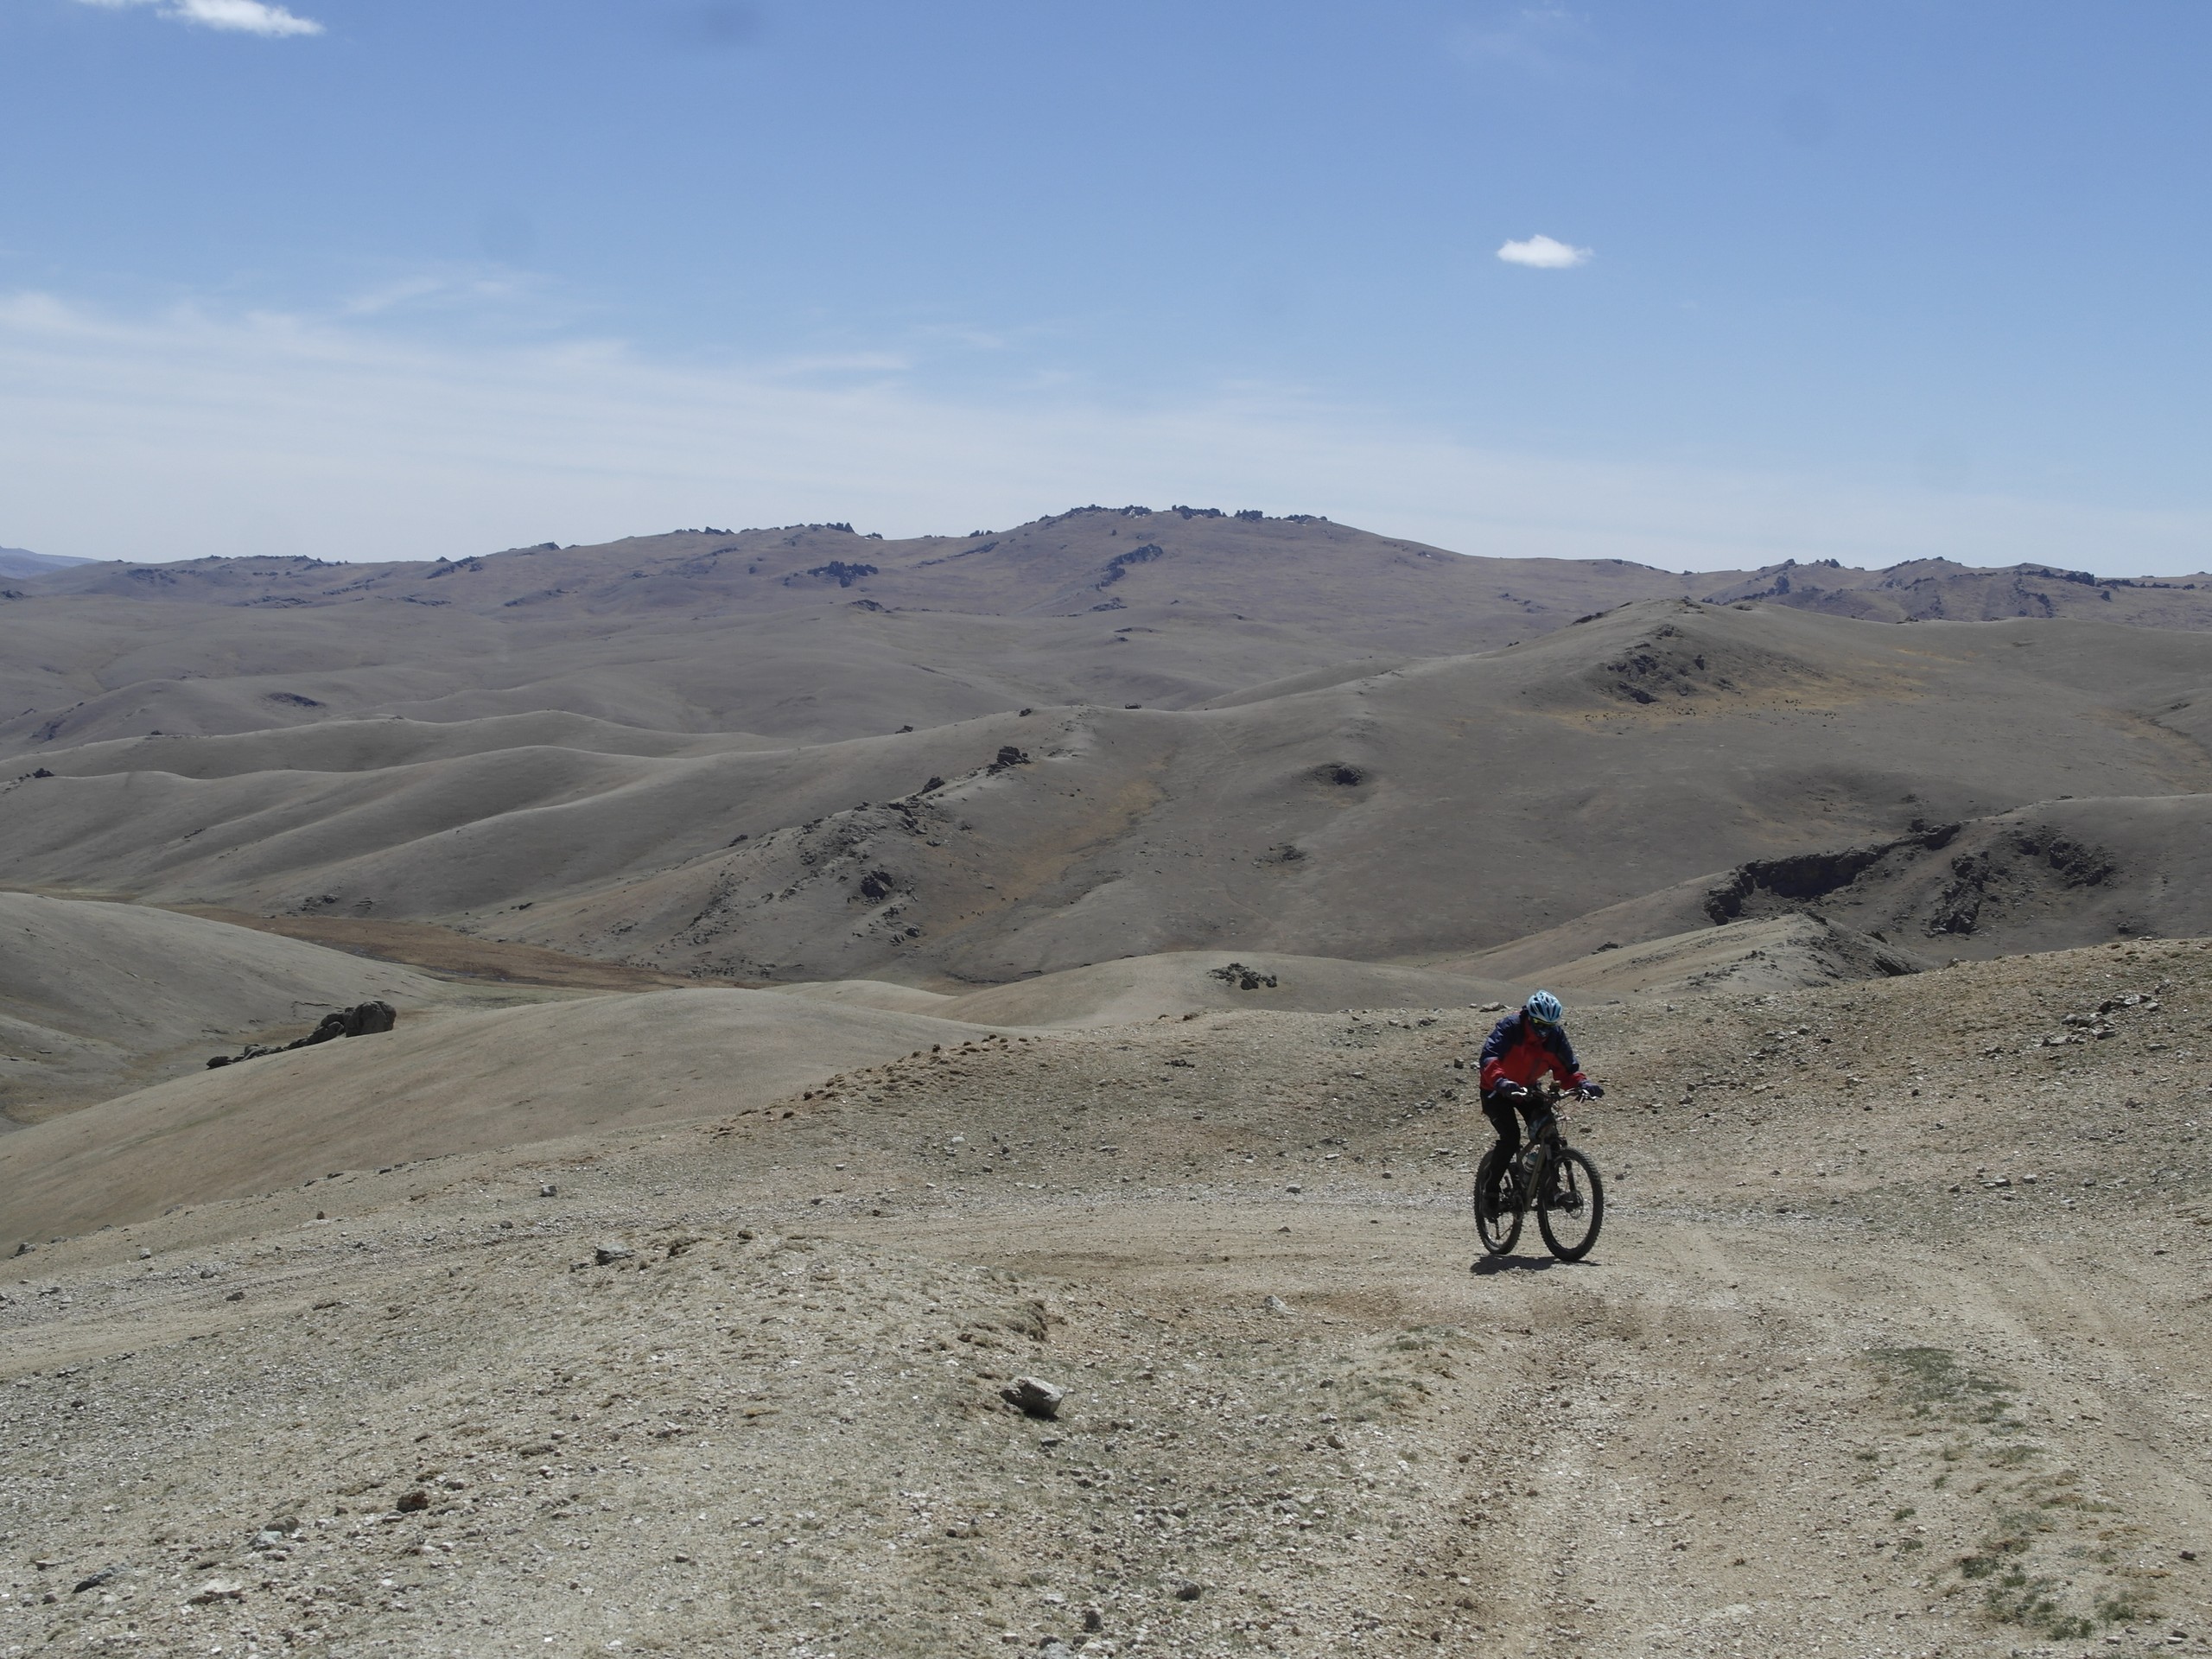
<point x="1500" y="1039"/>
<point x="1564" y="1051"/>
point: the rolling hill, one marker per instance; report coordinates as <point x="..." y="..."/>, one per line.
<point x="96" y="999"/>
<point x="22" y="561"/>
<point x="813" y="633"/>
<point x="1447" y="805"/>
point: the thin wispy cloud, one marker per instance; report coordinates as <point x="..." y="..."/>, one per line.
<point x="504" y="293"/>
<point x="1538" y="40"/>
<point x="196" y="433"/>
<point x="1543" y="253"/>
<point x="236" y="17"/>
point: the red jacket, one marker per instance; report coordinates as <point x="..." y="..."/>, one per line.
<point x="1520" y="1050"/>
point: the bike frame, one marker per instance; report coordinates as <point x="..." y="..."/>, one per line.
<point x="1544" y="1137"/>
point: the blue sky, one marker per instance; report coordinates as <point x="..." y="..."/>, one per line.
<point x="375" y="277"/>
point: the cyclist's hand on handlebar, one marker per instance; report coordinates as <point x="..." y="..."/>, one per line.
<point x="1589" y="1091"/>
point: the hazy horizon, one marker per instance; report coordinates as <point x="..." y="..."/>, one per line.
<point x="862" y="532"/>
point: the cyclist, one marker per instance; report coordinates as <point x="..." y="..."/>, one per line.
<point x="1524" y="1046"/>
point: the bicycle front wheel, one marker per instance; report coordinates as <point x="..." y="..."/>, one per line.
<point x="1574" y="1207"/>
<point x="1498" y="1205"/>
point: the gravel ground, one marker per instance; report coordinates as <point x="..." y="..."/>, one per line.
<point x="1895" y="1343"/>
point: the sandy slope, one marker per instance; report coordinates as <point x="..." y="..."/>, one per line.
<point x="1778" y="954"/>
<point x="1149" y="987"/>
<point x="447" y="953"/>
<point x="97" y="998"/>
<point x="871" y="994"/>
<point x="393" y="740"/>
<point x="437" y="1084"/>
<point x="1841" y="1379"/>
<point x="451" y="1082"/>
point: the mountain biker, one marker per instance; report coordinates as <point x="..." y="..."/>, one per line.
<point x="1525" y="1045"/>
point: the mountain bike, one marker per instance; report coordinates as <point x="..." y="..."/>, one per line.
<point x="1561" y="1182"/>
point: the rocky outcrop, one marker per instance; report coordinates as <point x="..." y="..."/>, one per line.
<point x="1765" y="885"/>
<point x="363" y="1020"/>
<point x="1243" y="978"/>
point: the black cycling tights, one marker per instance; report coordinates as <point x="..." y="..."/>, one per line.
<point x="1499" y="1110"/>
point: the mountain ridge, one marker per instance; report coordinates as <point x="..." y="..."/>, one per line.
<point x="22" y="561"/>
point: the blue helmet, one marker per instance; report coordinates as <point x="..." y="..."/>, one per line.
<point x="1543" y="1008"/>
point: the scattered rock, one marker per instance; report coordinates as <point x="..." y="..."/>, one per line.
<point x="218" y="1589"/>
<point x="1186" y="1591"/>
<point x="549" y="1191"/>
<point x="607" y="1255"/>
<point x="1034" y="1395"/>
<point x="94" y="1581"/>
<point x="413" y="1503"/>
<point x="1277" y="1305"/>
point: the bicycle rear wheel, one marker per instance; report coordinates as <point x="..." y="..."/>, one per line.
<point x="1573" y="1208"/>
<point x="1498" y="1205"/>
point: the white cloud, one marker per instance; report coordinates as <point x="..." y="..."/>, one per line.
<point x="191" y="434"/>
<point x="240" y="16"/>
<point x="1543" y="253"/>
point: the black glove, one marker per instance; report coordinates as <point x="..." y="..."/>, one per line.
<point x="1511" y="1091"/>
<point x="1590" y="1091"/>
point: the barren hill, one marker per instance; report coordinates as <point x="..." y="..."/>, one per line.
<point x="22" y="561"/>
<point x="440" y="1083"/>
<point x="1922" y="590"/>
<point x="99" y="998"/>
<point x="2039" y="878"/>
<point x="814" y="633"/>
<point x="1447" y="805"/>
<point x="807" y="633"/>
